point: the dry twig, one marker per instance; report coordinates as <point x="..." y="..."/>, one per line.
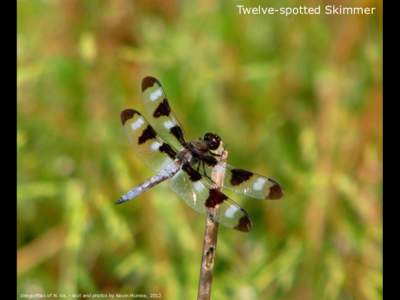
<point x="211" y="234"/>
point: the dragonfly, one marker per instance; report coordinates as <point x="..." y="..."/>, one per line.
<point x="187" y="165"/>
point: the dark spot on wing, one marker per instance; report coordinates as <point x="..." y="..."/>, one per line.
<point x="177" y="132"/>
<point x="275" y="191"/>
<point x="147" y="134"/>
<point x="193" y="174"/>
<point x="238" y="176"/>
<point x="244" y="224"/>
<point x="163" y="109"/>
<point x="209" y="160"/>
<point x="127" y="114"/>
<point x="215" y="197"/>
<point x="149" y="82"/>
<point x="168" y="150"/>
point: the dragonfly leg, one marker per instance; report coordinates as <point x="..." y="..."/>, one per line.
<point x="205" y="172"/>
<point x="198" y="166"/>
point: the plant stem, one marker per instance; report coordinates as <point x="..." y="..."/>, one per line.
<point x="211" y="234"/>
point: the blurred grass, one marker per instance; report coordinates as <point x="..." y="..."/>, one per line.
<point x="296" y="98"/>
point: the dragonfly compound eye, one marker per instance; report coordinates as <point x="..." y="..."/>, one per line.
<point x="213" y="141"/>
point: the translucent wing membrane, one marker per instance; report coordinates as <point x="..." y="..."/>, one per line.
<point x="158" y="109"/>
<point x="199" y="197"/>
<point x="145" y="141"/>
<point x="249" y="184"/>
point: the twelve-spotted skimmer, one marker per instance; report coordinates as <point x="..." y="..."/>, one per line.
<point x="188" y="165"/>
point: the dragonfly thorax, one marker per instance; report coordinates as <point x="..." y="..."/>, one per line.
<point x="184" y="156"/>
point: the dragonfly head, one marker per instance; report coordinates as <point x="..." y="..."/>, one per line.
<point x="212" y="140"/>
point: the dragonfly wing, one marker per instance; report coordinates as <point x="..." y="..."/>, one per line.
<point x="248" y="183"/>
<point x="161" y="116"/>
<point x="145" y="140"/>
<point x="199" y="197"/>
<point x="251" y="184"/>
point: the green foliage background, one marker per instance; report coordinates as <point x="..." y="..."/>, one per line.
<point x="297" y="98"/>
